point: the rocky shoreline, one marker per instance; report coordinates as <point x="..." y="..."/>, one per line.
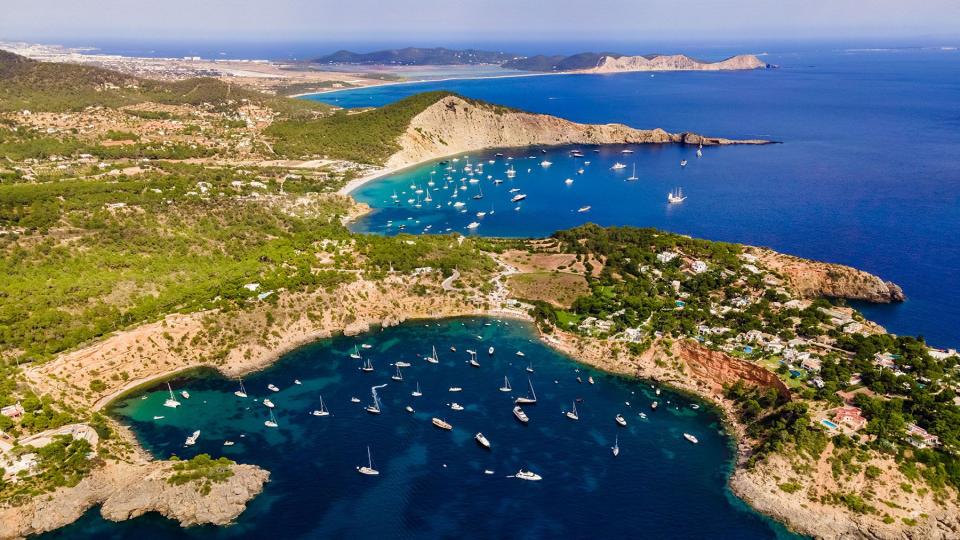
<point x="128" y="490"/>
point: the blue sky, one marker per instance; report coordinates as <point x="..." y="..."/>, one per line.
<point x="428" y="22"/>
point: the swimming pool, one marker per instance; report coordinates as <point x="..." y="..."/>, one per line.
<point x="829" y="424"/>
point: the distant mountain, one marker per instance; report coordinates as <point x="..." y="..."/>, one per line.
<point x="613" y="62"/>
<point x="416" y="56"/>
<point x="576" y="62"/>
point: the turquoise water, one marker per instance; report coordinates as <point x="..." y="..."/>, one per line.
<point x="868" y="173"/>
<point x="432" y="483"/>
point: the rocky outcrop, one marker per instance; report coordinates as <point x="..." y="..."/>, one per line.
<point x="129" y="490"/>
<point x="720" y="369"/>
<point x="675" y="62"/>
<point x="803" y="511"/>
<point x="814" y="279"/>
<point x="454" y="125"/>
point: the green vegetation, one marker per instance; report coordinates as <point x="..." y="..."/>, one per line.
<point x="202" y="469"/>
<point x="365" y="137"/>
<point x="40" y="86"/>
<point x="63" y="462"/>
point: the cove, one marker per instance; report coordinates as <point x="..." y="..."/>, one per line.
<point x="432" y="482"/>
<point x="868" y="174"/>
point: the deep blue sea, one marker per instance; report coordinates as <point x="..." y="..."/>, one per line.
<point x="432" y="483"/>
<point x="867" y="172"/>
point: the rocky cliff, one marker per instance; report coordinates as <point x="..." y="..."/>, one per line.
<point x="718" y="369"/>
<point x="129" y="490"/>
<point x="455" y="125"/>
<point x="814" y="279"/>
<point x="675" y="62"/>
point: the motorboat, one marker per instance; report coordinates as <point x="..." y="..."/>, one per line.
<point x="482" y="440"/>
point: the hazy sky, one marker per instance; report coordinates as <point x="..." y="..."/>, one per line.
<point x="434" y="21"/>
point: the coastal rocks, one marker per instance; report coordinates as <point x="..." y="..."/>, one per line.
<point x="813" y="279"/>
<point x="675" y="62"/>
<point x="128" y="490"/>
<point x="455" y="125"/>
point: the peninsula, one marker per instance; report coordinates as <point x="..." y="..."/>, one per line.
<point x="151" y="227"/>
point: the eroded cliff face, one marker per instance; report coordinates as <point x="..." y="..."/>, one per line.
<point x="675" y="62"/>
<point x="128" y="490"/>
<point x="454" y="125"/>
<point x="718" y="369"/>
<point x="814" y="279"/>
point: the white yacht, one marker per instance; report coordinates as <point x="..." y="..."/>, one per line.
<point x="506" y="385"/>
<point x="171" y="402"/>
<point x="409" y="409"/>
<point x="268" y="403"/>
<point x="590" y="379"/>
<point x="455" y="389"/>
<point x="568" y="181"/>
<point x="273" y="388"/>
<point x="620" y="420"/>
<point x="490" y="350"/>
<point x="185" y="394"/>
<point x="617" y="166"/>
<point x="546" y="163"/>
<point x="518" y="197"/>
<point x="573" y="414"/>
<point x="192" y="439"/>
<point x="675" y="197"/>
<point x="583" y="209"/>
<point x="482" y="440"/>
<point x="297" y="382"/>
<point x="402" y="364"/>
<point x="521" y="416"/>
<point x="690" y="438"/>
<point x="683" y="163"/>
<point x="456" y="406"/>
<point x="228" y="443"/>
<point x="528" y="475"/>
<point x="442" y="424"/>
<point x="368" y="468"/>
<point x="616" y="446"/>
<point x="473" y="225"/>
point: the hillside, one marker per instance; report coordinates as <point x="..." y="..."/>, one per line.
<point x="613" y="62"/>
<point x="27" y="84"/>
<point x="436" y="124"/>
<point x="416" y="56"/>
<point x="454" y="125"/>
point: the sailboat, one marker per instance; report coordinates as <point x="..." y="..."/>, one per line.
<point x="529" y="368"/>
<point x="506" y="385"/>
<point x="356" y="353"/>
<point x="322" y="411"/>
<point x="479" y="195"/>
<point x="368" y="469"/>
<point x="700" y="150"/>
<point x="428" y="198"/>
<point x="634" y="175"/>
<point x="527" y="400"/>
<point x="375" y="407"/>
<point x="171" y="402"/>
<point x="676" y="197"/>
<point x="573" y="414"/>
<point x="417" y="392"/>
<point x="433" y="358"/>
<point x="272" y="422"/>
<point x="398" y="376"/>
<point x="616" y="446"/>
<point x="473" y="359"/>
<point x="367" y="366"/>
<point x="242" y="392"/>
